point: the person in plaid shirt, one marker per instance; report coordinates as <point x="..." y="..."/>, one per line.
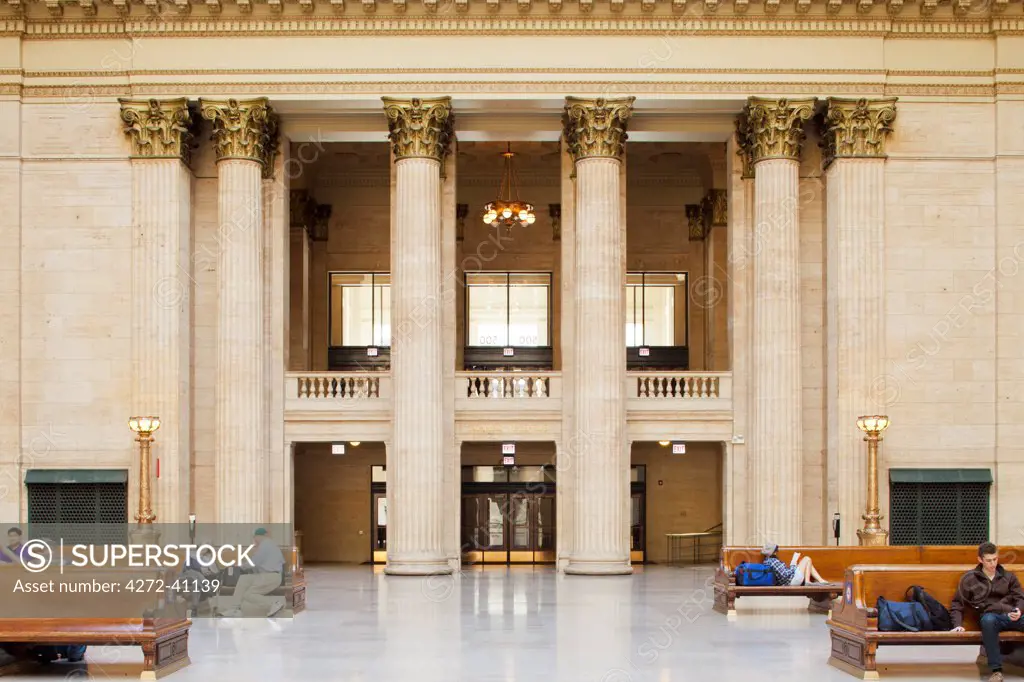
<point x="803" y="573"/>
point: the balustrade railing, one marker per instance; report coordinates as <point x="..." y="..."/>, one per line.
<point x="681" y="385"/>
<point x="508" y="386"/>
<point x="331" y="385"/>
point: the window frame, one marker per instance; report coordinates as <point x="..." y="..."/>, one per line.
<point x="686" y="305"/>
<point x="508" y="305"/>
<point x="373" y="291"/>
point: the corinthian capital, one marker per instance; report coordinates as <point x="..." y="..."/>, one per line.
<point x="159" y="129"/>
<point x="596" y="127"/>
<point x="419" y="128"/>
<point x="745" y="142"/>
<point x="857" y="127"/>
<point x="775" y="127"/>
<point x="242" y="129"/>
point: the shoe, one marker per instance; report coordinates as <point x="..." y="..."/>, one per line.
<point x="997" y="676"/>
<point x="275" y="607"/>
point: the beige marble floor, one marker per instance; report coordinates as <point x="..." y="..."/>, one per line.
<point x="526" y="624"/>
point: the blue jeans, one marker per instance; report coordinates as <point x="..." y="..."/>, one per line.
<point x="991" y="625"/>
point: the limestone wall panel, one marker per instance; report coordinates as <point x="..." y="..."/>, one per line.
<point x="76" y="126"/>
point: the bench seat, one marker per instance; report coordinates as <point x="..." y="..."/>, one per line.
<point x="853" y="626"/>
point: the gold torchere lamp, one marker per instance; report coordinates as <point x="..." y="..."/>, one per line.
<point x="872" y="533"/>
<point x="144" y="427"/>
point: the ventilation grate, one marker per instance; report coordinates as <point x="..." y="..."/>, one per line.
<point x="78" y="512"/>
<point x="939" y="513"/>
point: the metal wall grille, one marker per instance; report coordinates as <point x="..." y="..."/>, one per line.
<point x="938" y="513"/>
<point x="78" y="512"/>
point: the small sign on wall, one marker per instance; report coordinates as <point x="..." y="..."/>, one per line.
<point x="371" y="352"/>
<point x="508" y="352"/>
<point x="644" y="352"/>
<point x="678" y="448"/>
<point x="337" y="448"/>
<point x="509" y="460"/>
<point x="508" y="448"/>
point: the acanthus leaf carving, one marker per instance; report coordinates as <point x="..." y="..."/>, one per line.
<point x="159" y="129"/>
<point x="419" y="128"/>
<point x="856" y="127"/>
<point x="775" y="127"/>
<point x="596" y="127"/>
<point x="242" y="129"/>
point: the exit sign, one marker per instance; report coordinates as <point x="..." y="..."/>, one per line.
<point x="508" y="448"/>
<point x="678" y="448"/>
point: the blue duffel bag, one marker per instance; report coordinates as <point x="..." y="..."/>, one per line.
<point x="754" y="575"/>
<point x="902" y="616"/>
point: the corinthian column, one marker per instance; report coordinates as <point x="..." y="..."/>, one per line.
<point x="420" y="132"/>
<point x="774" y="137"/>
<point x="161" y="135"/>
<point x="242" y="135"/>
<point x="854" y="134"/>
<point x="595" y="131"/>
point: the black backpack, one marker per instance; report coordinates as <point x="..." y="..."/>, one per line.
<point x="937" y="613"/>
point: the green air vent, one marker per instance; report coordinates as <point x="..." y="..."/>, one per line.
<point x="87" y="506"/>
<point x="939" y="506"/>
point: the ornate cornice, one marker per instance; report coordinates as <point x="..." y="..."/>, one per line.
<point x="715" y="207"/>
<point x="159" y="129"/>
<point x="695" y="223"/>
<point x="776" y="127"/>
<point x="242" y="129"/>
<point x="856" y="127"/>
<point x="419" y="128"/>
<point x="745" y="146"/>
<point x="306" y="214"/>
<point x="596" y="127"/>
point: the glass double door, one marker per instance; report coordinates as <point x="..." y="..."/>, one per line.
<point x="508" y="526"/>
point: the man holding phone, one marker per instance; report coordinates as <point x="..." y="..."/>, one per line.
<point x="996" y="594"/>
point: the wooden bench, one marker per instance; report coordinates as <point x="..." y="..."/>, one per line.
<point x="142" y="619"/>
<point x="854" y="621"/>
<point x="831" y="563"/>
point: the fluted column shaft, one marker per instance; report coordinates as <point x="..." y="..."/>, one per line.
<point x="415" y="474"/>
<point x="161" y="135"/>
<point x="161" y="196"/>
<point x="595" y="131"/>
<point x="415" y="459"/>
<point x="855" y="133"/>
<point x="240" y="390"/>
<point x="778" y="429"/>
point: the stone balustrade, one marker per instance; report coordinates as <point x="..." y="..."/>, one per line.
<point x="680" y="385"/>
<point x="511" y="385"/>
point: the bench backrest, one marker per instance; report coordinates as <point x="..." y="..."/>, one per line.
<point x="832" y="562"/>
<point x="863" y="585"/>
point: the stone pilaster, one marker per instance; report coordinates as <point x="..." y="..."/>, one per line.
<point x="242" y="134"/>
<point x="774" y="130"/>
<point x="161" y="136"/>
<point x="595" y="130"/>
<point x="854" y="133"/>
<point x="420" y="133"/>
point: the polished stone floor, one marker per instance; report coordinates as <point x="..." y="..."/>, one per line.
<point x="525" y="624"/>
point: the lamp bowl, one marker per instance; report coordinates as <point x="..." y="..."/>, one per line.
<point x="144" y="424"/>
<point x="873" y="424"/>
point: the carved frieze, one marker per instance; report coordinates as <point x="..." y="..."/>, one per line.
<point x="419" y="128"/>
<point x="596" y="127"/>
<point x="159" y="129"/>
<point x="242" y="129"/>
<point x="854" y="128"/>
<point x="776" y="127"/>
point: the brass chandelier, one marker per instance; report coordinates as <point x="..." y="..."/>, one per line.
<point x="508" y="210"/>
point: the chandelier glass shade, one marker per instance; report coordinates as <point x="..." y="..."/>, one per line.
<point x="508" y="209"/>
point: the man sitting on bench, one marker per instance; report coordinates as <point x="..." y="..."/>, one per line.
<point x="996" y="594"/>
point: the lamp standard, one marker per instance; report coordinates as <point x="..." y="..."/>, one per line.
<point x="872" y="533"/>
<point x="144" y="427"/>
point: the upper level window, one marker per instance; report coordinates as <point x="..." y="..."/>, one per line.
<point x="508" y="309"/>
<point x="360" y="309"/>
<point x="651" y="309"/>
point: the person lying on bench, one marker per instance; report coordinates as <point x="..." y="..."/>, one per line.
<point x="803" y="573"/>
<point x="996" y="594"/>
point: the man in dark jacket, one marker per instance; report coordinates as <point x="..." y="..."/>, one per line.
<point x="996" y="594"/>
